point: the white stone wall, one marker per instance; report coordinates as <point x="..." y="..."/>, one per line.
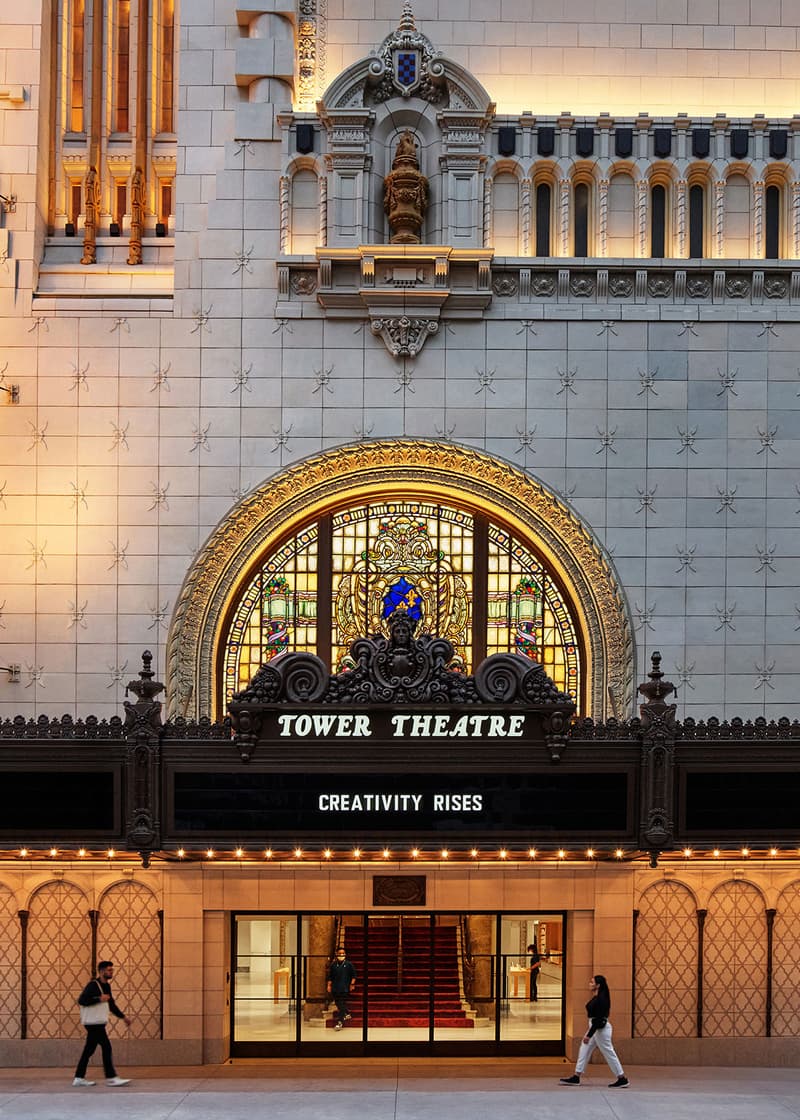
<point x="675" y="434"/>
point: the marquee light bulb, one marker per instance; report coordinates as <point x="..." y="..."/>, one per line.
<point x="239" y="853"/>
<point x="111" y="853"/>
<point x="503" y="853"/>
<point x="687" y="852"/>
<point x="773" y="851"/>
<point x="210" y="853"/>
<point x="561" y="853"/>
<point x="445" y="853"/>
<point x="356" y="853"/>
<point x="619" y="853"/>
<point x="327" y="853"/>
<point x="386" y="853"/>
<point x="23" y="852"/>
<point x="298" y="853"/>
<point x="474" y="853"/>
<point x="268" y="853"/>
<point x="54" y="851"/>
<point x="81" y="852"/>
<point x="715" y="853"/>
<point x="181" y="853"/>
<point x="590" y="853"/>
<point x="532" y="853"/>
<point x="745" y="851"/>
<point x="414" y="853"/>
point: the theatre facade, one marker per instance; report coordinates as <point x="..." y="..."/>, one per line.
<point x="435" y="451"/>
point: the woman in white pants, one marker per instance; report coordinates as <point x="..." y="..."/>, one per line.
<point x="598" y="1036"/>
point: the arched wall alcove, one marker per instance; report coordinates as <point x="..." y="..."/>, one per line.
<point x="395" y="470"/>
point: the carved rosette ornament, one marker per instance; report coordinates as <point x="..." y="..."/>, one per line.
<point x="404" y="337"/>
<point x="405" y="194"/>
<point x="344" y="474"/>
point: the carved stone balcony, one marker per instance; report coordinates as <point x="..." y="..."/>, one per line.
<point x="404" y="290"/>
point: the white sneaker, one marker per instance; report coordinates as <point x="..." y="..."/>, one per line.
<point x="82" y="1081"/>
<point x="338" y="1026"/>
<point x="118" y="1081"/>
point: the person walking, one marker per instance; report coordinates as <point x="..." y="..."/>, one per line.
<point x="598" y="1036"/>
<point x="533" y="973"/>
<point x="97" y="1000"/>
<point x="341" y="981"/>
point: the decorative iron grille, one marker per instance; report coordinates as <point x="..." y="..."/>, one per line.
<point x="9" y="965"/>
<point x="735" y="963"/>
<point x="786" y="964"/>
<point x="59" y="960"/>
<point x="129" y="934"/>
<point x="666" y="963"/>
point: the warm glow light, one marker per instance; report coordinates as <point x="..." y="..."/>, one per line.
<point x="268" y="853"/>
<point x="356" y="853"/>
<point x="532" y="853"/>
<point x="561" y="853"/>
<point x="687" y="851"/>
<point x="445" y="853"/>
<point x="745" y="851"/>
<point x="773" y="851"/>
<point x="590" y="853"/>
<point x="298" y="853"/>
<point x="715" y="853"/>
<point x="327" y="853"/>
<point x="386" y="853"/>
<point x="81" y="852"/>
<point x="503" y="853"/>
<point x="54" y="851"/>
<point x="210" y="853"/>
<point x="239" y="853"/>
<point x="414" y="853"/>
<point x="474" y="853"/>
<point x="181" y="853"/>
<point x="619" y="853"/>
<point x="111" y="853"/>
<point x="23" y="851"/>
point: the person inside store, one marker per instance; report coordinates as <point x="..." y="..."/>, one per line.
<point x="534" y="965"/>
<point x="598" y="1036"/>
<point x="341" y="981"/>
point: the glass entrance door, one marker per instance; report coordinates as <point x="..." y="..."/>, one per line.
<point x="405" y="983"/>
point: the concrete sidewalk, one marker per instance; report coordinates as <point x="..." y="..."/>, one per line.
<point x="403" y="1089"/>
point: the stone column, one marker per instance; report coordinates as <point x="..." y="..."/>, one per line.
<point x="320" y="950"/>
<point x="758" y="218"/>
<point x="602" y="216"/>
<point x="563" y="216"/>
<point x="642" y="198"/>
<point x="680" y="216"/>
<point x="481" y="932"/>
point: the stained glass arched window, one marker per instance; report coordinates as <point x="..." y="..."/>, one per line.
<point x="458" y="574"/>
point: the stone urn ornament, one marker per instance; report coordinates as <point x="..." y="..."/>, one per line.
<point x="405" y="194"/>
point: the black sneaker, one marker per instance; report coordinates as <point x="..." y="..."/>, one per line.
<point x="620" y="1083"/>
<point x="574" y="1080"/>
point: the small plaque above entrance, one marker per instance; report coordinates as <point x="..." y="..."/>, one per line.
<point x="398" y="890"/>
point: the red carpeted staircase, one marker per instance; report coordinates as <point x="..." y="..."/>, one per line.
<point x="405" y="1001"/>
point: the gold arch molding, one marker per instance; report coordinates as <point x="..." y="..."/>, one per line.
<point x="385" y="471"/>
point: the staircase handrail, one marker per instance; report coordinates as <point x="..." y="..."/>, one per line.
<point x="466" y="971"/>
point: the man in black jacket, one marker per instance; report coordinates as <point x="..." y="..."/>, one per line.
<point x="341" y="981"/>
<point x="98" y="993"/>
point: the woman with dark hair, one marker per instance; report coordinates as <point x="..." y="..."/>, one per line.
<point x="598" y="1036"/>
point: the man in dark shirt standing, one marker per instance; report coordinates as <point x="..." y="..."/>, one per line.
<point x="341" y="981"/>
<point x="96" y="992"/>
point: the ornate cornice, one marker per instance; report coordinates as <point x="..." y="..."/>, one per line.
<point x="443" y="470"/>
